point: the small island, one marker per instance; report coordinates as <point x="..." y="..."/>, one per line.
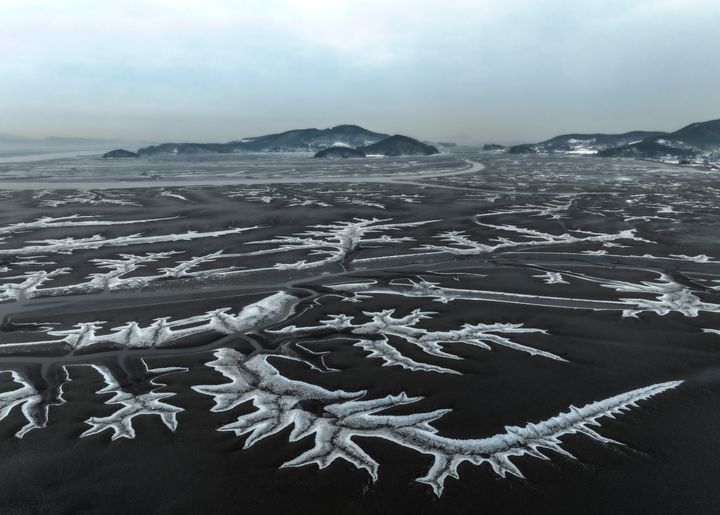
<point x="399" y="145"/>
<point x="339" y="152"/>
<point x="119" y="153"/>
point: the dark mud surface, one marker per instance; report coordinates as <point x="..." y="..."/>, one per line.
<point x="452" y="334"/>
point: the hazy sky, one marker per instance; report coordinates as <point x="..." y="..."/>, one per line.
<point x="483" y="70"/>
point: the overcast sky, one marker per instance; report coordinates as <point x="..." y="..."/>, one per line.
<point x="481" y="70"/>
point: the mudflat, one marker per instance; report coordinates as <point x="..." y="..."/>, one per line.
<point x="437" y="334"/>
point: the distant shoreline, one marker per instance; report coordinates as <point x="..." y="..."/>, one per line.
<point x="134" y="182"/>
<point x="24" y="158"/>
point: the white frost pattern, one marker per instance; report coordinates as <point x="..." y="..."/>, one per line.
<point x="93" y="198"/>
<point x="553" y="209"/>
<point x="275" y="396"/>
<point x="461" y="244"/>
<point x="133" y="405"/>
<point x="162" y="331"/>
<point x="671" y="297"/>
<point x="33" y="403"/>
<point x="336" y="242"/>
<point x="552" y="278"/>
<point x="344" y="416"/>
<point x="384" y="324"/>
<point x="49" y="222"/>
<point x="392" y="357"/>
<point x="169" y="193"/>
<point x="70" y="244"/>
<point x="31" y="282"/>
<point x="28" y="285"/>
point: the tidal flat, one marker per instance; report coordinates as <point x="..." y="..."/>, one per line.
<point x="440" y="334"/>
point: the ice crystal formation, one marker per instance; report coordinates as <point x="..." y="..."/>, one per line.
<point x="552" y="278"/>
<point x="317" y="197"/>
<point x="133" y="404"/>
<point x="700" y="258"/>
<point x="134" y="398"/>
<point x="278" y="403"/>
<point x="424" y="288"/>
<point x="553" y="209"/>
<point x="71" y="244"/>
<point x="383" y="324"/>
<point x="49" y="222"/>
<point x="93" y="198"/>
<point x="380" y="348"/>
<point x="30" y="284"/>
<point x="34" y="402"/>
<point x="275" y="396"/>
<point x="336" y="242"/>
<point x="164" y="331"/>
<point x="671" y="297"/>
<point x="171" y="194"/>
<point x="461" y="244"/>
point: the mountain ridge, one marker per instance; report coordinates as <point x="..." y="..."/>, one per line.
<point x="697" y="143"/>
<point x="296" y="140"/>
